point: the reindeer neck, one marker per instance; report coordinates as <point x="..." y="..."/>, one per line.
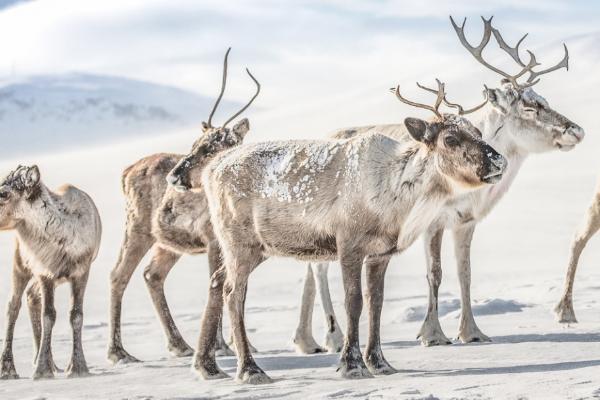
<point x="41" y="217"/>
<point x="498" y="132"/>
<point x="404" y="175"/>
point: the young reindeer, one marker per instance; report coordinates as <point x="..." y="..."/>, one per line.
<point x="58" y="236"/>
<point x="369" y="196"/>
<point x="518" y="122"/>
<point x="174" y="221"/>
<point x="591" y="223"/>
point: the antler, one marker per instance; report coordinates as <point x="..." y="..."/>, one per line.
<point x="513" y="52"/>
<point x="223" y="83"/>
<point x="250" y="102"/>
<point x="478" y="50"/>
<point x="441" y="94"/>
<point x="563" y="63"/>
<point x="461" y="110"/>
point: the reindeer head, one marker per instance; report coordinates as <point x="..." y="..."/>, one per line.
<point x="458" y="150"/>
<point x="186" y="174"/>
<point x="533" y="124"/>
<point x="22" y="184"/>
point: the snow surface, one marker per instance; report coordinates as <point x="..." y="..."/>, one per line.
<point x="519" y="257"/>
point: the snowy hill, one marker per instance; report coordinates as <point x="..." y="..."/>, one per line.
<point x="43" y="113"/>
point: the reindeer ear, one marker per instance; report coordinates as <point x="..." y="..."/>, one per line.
<point x="31" y="177"/>
<point x="241" y="128"/>
<point x="204" y="126"/>
<point x="418" y="129"/>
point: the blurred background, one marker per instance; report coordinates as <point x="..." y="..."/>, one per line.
<point x="89" y="87"/>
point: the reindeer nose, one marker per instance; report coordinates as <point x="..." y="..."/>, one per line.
<point x="576" y="131"/>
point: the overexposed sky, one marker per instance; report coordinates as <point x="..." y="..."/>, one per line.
<point x="322" y="63"/>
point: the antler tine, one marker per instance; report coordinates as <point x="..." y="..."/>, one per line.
<point x="223" y="83"/>
<point x="440" y="97"/>
<point x="512" y="51"/>
<point x="250" y="102"/>
<point x="461" y="110"/>
<point x="477" y="51"/>
<point x="563" y="63"/>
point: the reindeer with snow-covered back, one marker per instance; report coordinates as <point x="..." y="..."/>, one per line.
<point x="172" y="220"/>
<point x="517" y="122"/>
<point x="365" y="197"/>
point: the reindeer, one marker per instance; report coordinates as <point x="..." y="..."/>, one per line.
<point x="172" y="220"/>
<point x="369" y="196"/>
<point x="591" y="223"/>
<point x="518" y="122"/>
<point x="58" y="236"/>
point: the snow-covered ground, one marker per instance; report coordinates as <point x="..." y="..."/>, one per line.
<point x="519" y="259"/>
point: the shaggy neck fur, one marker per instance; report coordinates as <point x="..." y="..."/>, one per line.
<point x="43" y="222"/>
<point x="407" y="187"/>
<point x="498" y="133"/>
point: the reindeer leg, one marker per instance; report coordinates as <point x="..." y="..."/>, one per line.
<point x="44" y="364"/>
<point x="334" y="339"/>
<point x="19" y="282"/>
<point x="214" y="263"/>
<point x="34" y="303"/>
<point x="352" y="365"/>
<point x="431" y="333"/>
<point x="564" y="309"/>
<point x="375" y="283"/>
<point x="468" y="329"/>
<point x="303" y="339"/>
<point x="239" y="267"/>
<point x="135" y="246"/>
<point x="155" y="274"/>
<point x="231" y="339"/>
<point x="204" y="362"/>
<point x="77" y="367"/>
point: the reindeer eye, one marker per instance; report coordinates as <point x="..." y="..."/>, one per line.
<point x="530" y="109"/>
<point x="451" y="141"/>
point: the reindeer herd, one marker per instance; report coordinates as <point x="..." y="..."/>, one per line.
<point x="359" y="197"/>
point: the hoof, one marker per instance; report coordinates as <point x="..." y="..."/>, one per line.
<point x="8" y="373"/>
<point x="307" y="345"/>
<point x="354" y="370"/>
<point x="253" y="376"/>
<point x="208" y="370"/>
<point x="43" y="374"/>
<point x="181" y="349"/>
<point x="435" y="342"/>
<point x="334" y="341"/>
<point x="120" y="356"/>
<point x="80" y="372"/>
<point x="379" y="366"/>
<point x="432" y="336"/>
<point x="476" y="336"/>
<point x="565" y="313"/>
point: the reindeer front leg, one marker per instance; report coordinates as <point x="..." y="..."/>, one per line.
<point x="431" y="333"/>
<point x="44" y="364"/>
<point x="78" y="366"/>
<point x="468" y="331"/>
<point x="20" y="280"/>
<point x="374" y="358"/>
<point x="352" y="365"/>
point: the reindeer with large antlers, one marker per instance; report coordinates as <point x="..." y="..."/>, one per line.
<point x="349" y="199"/>
<point x="516" y="121"/>
<point x="173" y="220"/>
